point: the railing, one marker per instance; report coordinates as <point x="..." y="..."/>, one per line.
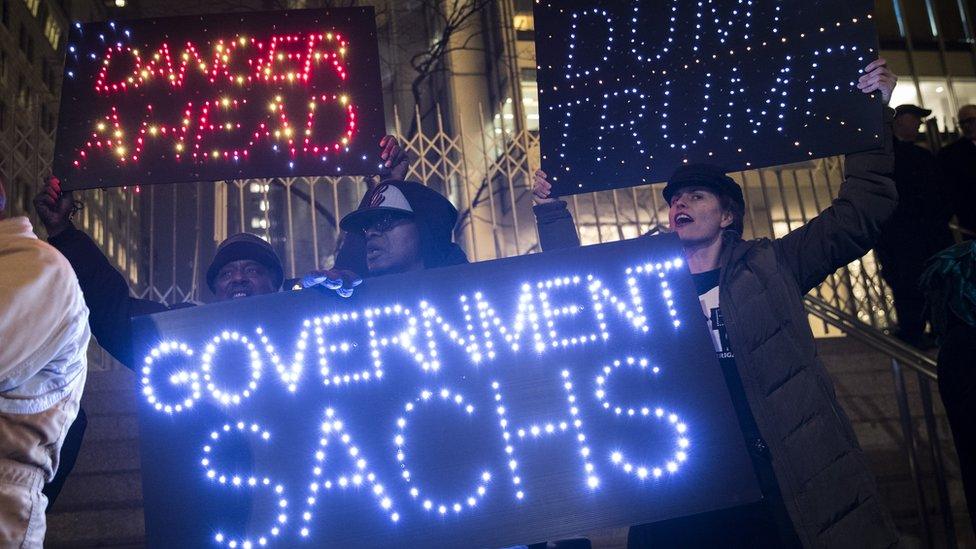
<point x="903" y="356"/>
<point x="964" y="233"/>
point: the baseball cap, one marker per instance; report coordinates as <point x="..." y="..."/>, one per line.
<point x="912" y="109"/>
<point x="384" y="198"/>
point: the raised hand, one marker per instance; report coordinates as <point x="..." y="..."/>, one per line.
<point x="541" y="188"/>
<point x="394" y="157"/>
<point x="878" y="77"/>
<point x="54" y="207"/>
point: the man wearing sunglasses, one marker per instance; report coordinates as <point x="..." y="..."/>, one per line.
<point x="399" y="227"/>
<point x="959" y="165"/>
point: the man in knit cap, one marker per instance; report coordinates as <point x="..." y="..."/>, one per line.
<point x="244" y="265"/>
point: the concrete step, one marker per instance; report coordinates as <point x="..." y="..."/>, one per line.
<point x="865" y="388"/>
<point x="122" y="401"/>
<point x="110" y="380"/>
<point x="88" y="491"/>
<point x="107" y="456"/>
<point x="96" y="528"/>
<point x="113" y="428"/>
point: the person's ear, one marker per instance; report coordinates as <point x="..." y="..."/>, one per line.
<point x="727" y="219"/>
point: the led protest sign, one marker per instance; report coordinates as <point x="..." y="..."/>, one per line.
<point x="512" y="401"/>
<point x="220" y="97"/>
<point x="630" y="90"/>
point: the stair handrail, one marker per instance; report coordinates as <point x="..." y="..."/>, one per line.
<point x="873" y="337"/>
<point x="901" y="354"/>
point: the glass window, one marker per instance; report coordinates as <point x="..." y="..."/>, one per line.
<point x="917" y="17"/>
<point x="52" y="31"/>
<point x="951" y="21"/>
<point x="530" y="99"/>
<point x="935" y="96"/>
<point x="33" y="6"/>
<point x="889" y="28"/>
<point x="23" y="92"/>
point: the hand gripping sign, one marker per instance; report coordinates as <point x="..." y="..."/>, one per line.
<point x="220" y="97"/>
<point x="491" y="404"/>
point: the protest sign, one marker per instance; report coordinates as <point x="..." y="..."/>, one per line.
<point x="216" y="97"/>
<point x="631" y="90"/>
<point x="512" y="401"/>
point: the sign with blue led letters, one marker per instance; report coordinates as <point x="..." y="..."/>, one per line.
<point x="493" y="404"/>
<point x="629" y="90"/>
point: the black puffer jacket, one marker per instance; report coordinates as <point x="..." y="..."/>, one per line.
<point x="828" y="490"/>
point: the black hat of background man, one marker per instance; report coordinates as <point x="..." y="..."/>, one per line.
<point x="912" y="109"/>
<point x="708" y="176"/>
<point x="246" y="246"/>
<point x="433" y="213"/>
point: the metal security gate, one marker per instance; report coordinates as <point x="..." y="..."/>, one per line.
<point x="168" y="233"/>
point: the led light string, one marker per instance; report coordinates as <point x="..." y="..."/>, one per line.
<point x="241" y="483"/>
<point x="399" y="441"/>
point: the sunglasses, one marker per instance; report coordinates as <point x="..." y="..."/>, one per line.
<point x="385" y="222"/>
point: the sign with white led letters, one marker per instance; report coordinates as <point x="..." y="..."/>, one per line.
<point x="512" y="401"/>
<point x="216" y="97"/>
<point x="630" y="90"/>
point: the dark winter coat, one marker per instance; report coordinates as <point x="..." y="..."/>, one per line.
<point x="920" y="225"/>
<point x="828" y="490"/>
<point x="958" y="162"/>
<point x="106" y="294"/>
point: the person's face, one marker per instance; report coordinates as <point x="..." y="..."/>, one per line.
<point x="967" y="121"/>
<point x="696" y="214"/>
<point x="242" y="278"/>
<point x="392" y="245"/>
<point x="906" y="127"/>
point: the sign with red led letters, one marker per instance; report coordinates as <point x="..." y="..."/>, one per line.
<point x="486" y="405"/>
<point x="220" y="97"/>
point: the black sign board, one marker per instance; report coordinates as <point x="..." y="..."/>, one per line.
<point x="217" y="97"/>
<point x="512" y="401"/>
<point x="630" y="90"/>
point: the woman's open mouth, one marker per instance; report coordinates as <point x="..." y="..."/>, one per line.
<point x="683" y="219"/>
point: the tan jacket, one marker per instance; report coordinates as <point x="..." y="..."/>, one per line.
<point x="43" y="338"/>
